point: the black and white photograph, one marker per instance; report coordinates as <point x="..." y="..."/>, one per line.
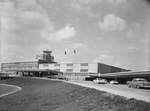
<point x="74" y="55"/>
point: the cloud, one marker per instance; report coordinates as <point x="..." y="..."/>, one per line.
<point x="30" y="5"/>
<point x="61" y="58"/>
<point x="112" y="22"/>
<point x="76" y="6"/>
<point x="133" y="49"/>
<point x="117" y="2"/>
<point x="133" y="31"/>
<point x="61" y="34"/>
<point x="75" y="46"/>
<point x="14" y="18"/>
<point x="6" y="52"/>
<point x="19" y="23"/>
<point x="107" y="59"/>
<point x="78" y="46"/>
<point x="43" y="47"/>
<point x="104" y="59"/>
<point x="131" y="34"/>
<point x="144" y="41"/>
<point x="88" y="1"/>
<point x="117" y="64"/>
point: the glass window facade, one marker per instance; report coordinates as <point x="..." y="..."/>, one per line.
<point x="56" y="64"/>
<point x="69" y="70"/>
<point x="69" y="64"/>
<point x="84" y="64"/>
<point x="83" y="70"/>
<point x="19" y="65"/>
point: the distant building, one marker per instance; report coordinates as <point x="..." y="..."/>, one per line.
<point x="81" y="70"/>
<point x="28" y="64"/>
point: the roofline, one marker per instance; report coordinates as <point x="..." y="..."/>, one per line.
<point x="92" y="63"/>
<point x="34" y="70"/>
<point x="37" y="60"/>
<point x="21" y="61"/>
<point x="128" y="74"/>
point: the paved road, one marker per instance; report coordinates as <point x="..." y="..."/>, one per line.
<point x="122" y="90"/>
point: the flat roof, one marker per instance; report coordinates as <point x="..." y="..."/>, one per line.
<point x="129" y="74"/>
<point x="37" y="60"/>
<point x="35" y="70"/>
<point x="21" y="61"/>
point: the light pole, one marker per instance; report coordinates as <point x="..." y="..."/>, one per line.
<point x="99" y="74"/>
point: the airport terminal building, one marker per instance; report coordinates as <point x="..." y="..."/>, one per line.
<point x="46" y="57"/>
<point x="44" y="65"/>
<point x="81" y="70"/>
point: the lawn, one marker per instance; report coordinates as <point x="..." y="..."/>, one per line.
<point x="6" y="89"/>
<point x="47" y="95"/>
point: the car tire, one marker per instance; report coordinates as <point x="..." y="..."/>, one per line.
<point x="138" y="87"/>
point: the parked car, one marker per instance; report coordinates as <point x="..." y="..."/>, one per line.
<point x="138" y="83"/>
<point x="100" y="81"/>
<point x="113" y="82"/>
<point x="63" y="78"/>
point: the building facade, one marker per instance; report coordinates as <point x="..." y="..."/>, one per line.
<point x="28" y="64"/>
<point x="6" y="67"/>
<point x="45" y="62"/>
<point x="81" y="70"/>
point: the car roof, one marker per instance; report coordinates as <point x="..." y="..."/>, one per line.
<point x="139" y="79"/>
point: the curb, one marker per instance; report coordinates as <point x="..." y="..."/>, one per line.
<point x="17" y="88"/>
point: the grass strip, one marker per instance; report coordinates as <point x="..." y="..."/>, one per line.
<point x="47" y="95"/>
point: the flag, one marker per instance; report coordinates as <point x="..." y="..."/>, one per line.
<point x="74" y="52"/>
<point x="65" y="52"/>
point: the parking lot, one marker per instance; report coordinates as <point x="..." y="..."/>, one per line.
<point x="122" y="90"/>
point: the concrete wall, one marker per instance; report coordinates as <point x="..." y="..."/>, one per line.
<point x="93" y="67"/>
<point x="72" y="67"/>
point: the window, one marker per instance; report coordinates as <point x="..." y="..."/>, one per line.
<point x="56" y="64"/>
<point x="69" y="70"/>
<point x="57" y="69"/>
<point x="84" y="64"/>
<point x="45" y="65"/>
<point x="83" y="70"/>
<point x="69" y="64"/>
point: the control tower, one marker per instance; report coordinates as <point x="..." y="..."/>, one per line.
<point x="47" y="56"/>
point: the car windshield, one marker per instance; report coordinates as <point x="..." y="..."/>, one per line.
<point x="142" y="80"/>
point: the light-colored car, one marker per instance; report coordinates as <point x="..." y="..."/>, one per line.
<point x="138" y="83"/>
<point x="100" y="81"/>
<point x="113" y="82"/>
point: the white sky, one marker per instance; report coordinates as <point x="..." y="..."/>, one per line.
<point x="114" y="32"/>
